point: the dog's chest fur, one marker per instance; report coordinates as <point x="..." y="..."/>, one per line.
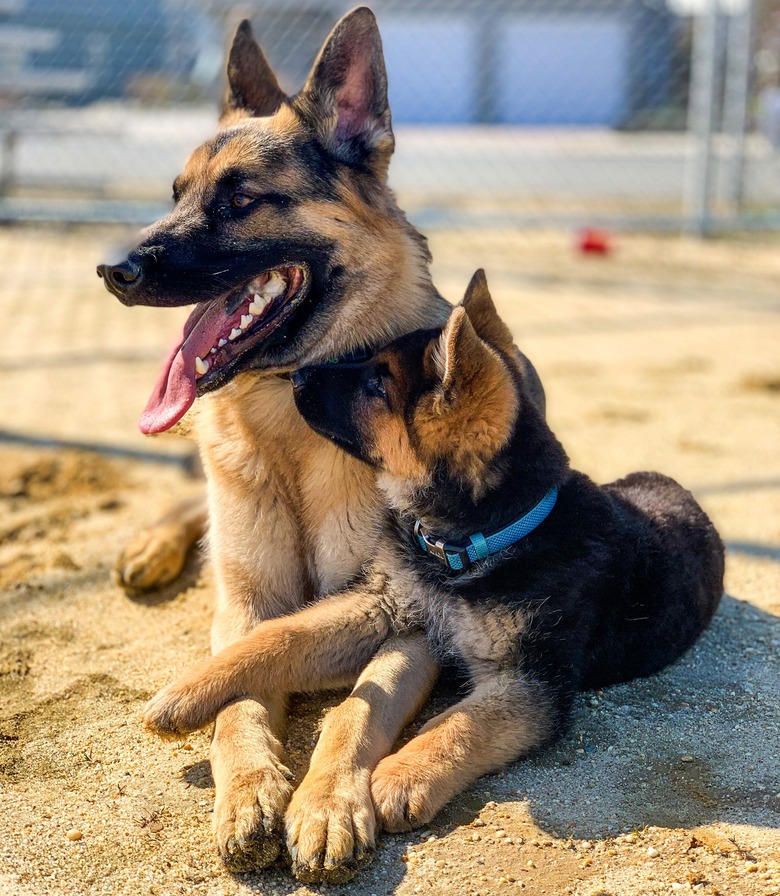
<point x="459" y="630"/>
<point x="284" y="500"/>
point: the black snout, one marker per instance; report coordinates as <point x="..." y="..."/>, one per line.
<point x="121" y="279"/>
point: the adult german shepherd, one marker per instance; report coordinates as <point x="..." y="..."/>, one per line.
<point x="290" y="244"/>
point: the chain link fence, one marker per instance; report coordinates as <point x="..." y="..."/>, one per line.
<point x="628" y="113"/>
<point x="517" y="122"/>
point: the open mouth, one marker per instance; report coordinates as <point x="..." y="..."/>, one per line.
<point x="217" y="338"/>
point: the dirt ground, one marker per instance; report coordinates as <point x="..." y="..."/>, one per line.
<point x="665" y="355"/>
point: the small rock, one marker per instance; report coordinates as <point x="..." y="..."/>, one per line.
<point x="475" y="836"/>
<point x="653" y="852"/>
<point x="686" y="758"/>
<point x="500" y="833"/>
<point x="74" y="834"/>
<point x="478" y="823"/>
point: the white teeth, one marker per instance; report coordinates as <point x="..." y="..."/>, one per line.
<point x="275" y="286"/>
<point x="234" y="334"/>
<point x="222" y="342"/>
<point x="246" y="320"/>
<point x="259" y="305"/>
<point x="201" y="366"/>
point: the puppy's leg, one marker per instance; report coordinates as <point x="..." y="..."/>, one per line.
<point x="155" y="556"/>
<point x="502" y="719"/>
<point x="312" y="649"/>
<point x="330" y="822"/>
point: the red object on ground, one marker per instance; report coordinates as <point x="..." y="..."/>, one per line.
<point x="594" y="242"/>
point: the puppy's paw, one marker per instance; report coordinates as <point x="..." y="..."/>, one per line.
<point x="403" y="797"/>
<point x="176" y="710"/>
<point x="330" y="826"/>
<point x="249" y="817"/>
<point x="153" y="559"/>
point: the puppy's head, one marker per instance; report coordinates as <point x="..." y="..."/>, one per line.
<point x="435" y="403"/>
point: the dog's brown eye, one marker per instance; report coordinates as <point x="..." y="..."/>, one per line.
<point x="241" y="200"/>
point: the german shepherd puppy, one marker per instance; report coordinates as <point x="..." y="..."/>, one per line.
<point x="536" y="581"/>
<point x="290" y="244"/>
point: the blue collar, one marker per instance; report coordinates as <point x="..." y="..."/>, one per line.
<point x="480" y="546"/>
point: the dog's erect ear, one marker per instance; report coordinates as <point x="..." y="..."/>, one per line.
<point x="469" y="371"/>
<point x="252" y="88"/>
<point x="483" y="315"/>
<point x="474" y="405"/>
<point x="345" y="96"/>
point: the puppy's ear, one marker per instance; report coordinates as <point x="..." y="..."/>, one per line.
<point x="470" y="373"/>
<point x="345" y="96"/>
<point x="484" y="317"/>
<point x="252" y="88"/>
<point x="472" y="410"/>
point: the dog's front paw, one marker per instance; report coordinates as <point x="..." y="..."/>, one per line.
<point x="330" y="826"/>
<point x="152" y="559"/>
<point x="249" y="817"/>
<point x="403" y="797"/>
<point x="176" y="710"/>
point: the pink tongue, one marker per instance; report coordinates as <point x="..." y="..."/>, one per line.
<point x="175" y="390"/>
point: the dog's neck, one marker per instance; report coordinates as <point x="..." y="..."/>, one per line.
<point x="395" y="274"/>
<point x="521" y="474"/>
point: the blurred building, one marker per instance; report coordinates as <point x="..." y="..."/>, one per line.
<point x="79" y="50"/>
<point x="534" y="62"/>
<point x="531" y="62"/>
<point x="556" y="62"/>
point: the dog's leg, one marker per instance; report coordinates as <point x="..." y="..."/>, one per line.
<point x="313" y="649"/>
<point x="503" y="718"/>
<point x="155" y="556"/>
<point x="330" y="822"/>
<point x="307" y="650"/>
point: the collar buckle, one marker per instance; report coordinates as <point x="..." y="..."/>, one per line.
<point x="442" y="550"/>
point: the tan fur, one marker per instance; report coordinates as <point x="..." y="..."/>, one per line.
<point x="330" y="824"/>
<point x="156" y="556"/>
<point x="470" y="417"/>
<point x="333" y="803"/>
<point x="292" y="518"/>
<point x="497" y="722"/>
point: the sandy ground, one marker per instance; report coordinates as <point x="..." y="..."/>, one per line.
<point x="665" y="355"/>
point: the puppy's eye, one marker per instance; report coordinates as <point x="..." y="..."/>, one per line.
<point x="375" y="387"/>
<point x="241" y="200"/>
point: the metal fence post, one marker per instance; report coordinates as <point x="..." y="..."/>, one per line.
<point x="701" y="121"/>
<point x="739" y="63"/>
<point x="7" y="153"/>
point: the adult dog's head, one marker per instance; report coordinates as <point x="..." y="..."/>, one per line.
<point x="284" y="233"/>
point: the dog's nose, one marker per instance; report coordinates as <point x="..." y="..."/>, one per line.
<point x="121" y="277"/>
